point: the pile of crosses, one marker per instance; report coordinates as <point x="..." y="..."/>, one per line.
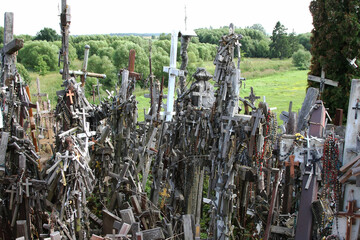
<point x="206" y="165"/>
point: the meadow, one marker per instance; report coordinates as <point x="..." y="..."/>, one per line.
<point x="276" y="80"/>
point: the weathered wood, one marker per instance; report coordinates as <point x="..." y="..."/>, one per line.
<point x="338" y="117"/>
<point x="327" y="81"/>
<point x="188" y="223"/>
<point x="304" y="230"/>
<point x="317" y="120"/>
<point x="153" y="234"/>
<point x="108" y="221"/>
<point x="3" y="148"/>
<point x="13" y="46"/>
<point x="127" y="216"/>
<point x="350" y="217"/>
<point x="283" y="231"/>
<point x="348" y="165"/>
<point x="21" y="229"/>
<point x="310" y="98"/>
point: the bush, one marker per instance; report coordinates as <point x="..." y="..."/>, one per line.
<point x="40" y="56"/>
<point x="23" y="73"/>
<point x="301" y="59"/>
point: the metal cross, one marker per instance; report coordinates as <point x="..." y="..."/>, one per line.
<point x="357" y="107"/>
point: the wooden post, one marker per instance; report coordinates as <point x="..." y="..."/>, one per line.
<point x="304" y="220"/>
<point x="65" y="20"/>
<point x="11" y="46"/>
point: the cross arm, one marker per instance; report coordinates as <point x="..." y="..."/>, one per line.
<point x="327" y="81"/>
<point x="13" y="46"/>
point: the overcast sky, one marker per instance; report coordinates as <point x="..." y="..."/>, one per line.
<point x="156" y="16"/>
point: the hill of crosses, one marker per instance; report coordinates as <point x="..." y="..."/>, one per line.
<point x="204" y="164"/>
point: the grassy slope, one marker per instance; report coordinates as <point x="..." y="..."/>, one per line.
<point x="273" y="78"/>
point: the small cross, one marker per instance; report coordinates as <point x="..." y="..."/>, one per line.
<point x="291" y="163"/>
<point x="357" y="107"/>
<point x="252" y="98"/>
<point x="94" y="141"/>
<point x="70" y="94"/>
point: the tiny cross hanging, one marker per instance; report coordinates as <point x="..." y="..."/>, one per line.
<point x="70" y="94"/>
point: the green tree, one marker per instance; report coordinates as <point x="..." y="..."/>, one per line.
<point x="40" y="56"/>
<point x="304" y="40"/>
<point x="47" y="34"/>
<point x="335" y="37"/>
<point x="259" y="27"/>
<point x="1" y="35"/>
<point x="301" y="59"/>
<point x="23" y="72"/>
<point x="279" y="47"/>
<point x="103" y="65"/>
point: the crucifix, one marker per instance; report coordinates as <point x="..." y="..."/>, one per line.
<point x="173" y="73"/>
<point x="8" y="53"/>
<point x="351" y="216"/>
<point x="322" y="80"/>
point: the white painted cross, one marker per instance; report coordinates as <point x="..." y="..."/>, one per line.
<point x="173" y="73"/>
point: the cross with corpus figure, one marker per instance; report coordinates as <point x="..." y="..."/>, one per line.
<point x="350" y="216"/>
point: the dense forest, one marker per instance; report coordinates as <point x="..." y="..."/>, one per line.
<point x="109" y="53"/>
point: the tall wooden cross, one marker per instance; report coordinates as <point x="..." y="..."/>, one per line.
<point x="322" y="80"/>
<point x="65" y="20"/>
<point x="8" y="53"/>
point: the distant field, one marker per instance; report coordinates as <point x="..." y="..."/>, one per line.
<point x="275" y="79"/>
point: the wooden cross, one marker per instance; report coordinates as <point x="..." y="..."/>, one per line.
<point x="350" y="216"/>
<point x="8" y="53"/>
<point x="65" y="20"/>
<point x="289" y="180"/>
<point x="98" y="90"/>
<point x="131" y="67"/>
<point x="291" y="163"/>
<point x="257" y="116"/>
<point x="322" y="80"/>
<point x="39" y="94"/>
<point x="70" y="94"/>
<point x="252" y="97"/>
<point x="94" y="141"/>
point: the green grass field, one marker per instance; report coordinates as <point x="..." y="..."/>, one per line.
<point x="275" y="79"/>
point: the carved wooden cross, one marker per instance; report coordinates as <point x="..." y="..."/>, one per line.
<point x="8" y="53"/>
<point x="70" y="94"/>
<point x="322" y="80"/>
<point x="350" y="216"/>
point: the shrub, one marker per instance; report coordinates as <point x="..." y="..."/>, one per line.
<point x="23" y="73"/>
<point x="301" y="59"/>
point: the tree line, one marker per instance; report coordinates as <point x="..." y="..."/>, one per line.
<point x="109" y="53"/>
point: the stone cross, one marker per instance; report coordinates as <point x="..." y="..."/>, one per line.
<point x="173" y="73"/>
<point x="322" y="80"/>
<point x="8" y="53"/>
